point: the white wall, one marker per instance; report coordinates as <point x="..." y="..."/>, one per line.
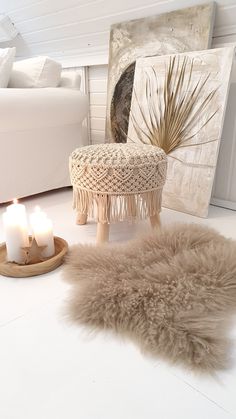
<point x="97" y="77"/>
<point x="224" y="191"/>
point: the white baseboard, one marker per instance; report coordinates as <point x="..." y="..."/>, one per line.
<point x="223" y="203"/>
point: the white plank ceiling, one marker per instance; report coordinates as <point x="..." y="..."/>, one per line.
<point x="77" y="31"/>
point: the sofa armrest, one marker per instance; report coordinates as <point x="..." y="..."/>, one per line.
<point x="70" y="79"/>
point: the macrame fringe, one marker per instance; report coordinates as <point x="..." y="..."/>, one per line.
<point x="107" y="208"/>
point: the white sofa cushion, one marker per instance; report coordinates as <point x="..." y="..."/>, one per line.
<point x="35" y="72"/>
<point x="6" y="60"/>
<point x="28" y="109"/>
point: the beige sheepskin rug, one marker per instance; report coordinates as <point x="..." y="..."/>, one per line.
<point x="172" y="292"/>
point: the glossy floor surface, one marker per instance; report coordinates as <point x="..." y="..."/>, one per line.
<point x="52" y="370"/>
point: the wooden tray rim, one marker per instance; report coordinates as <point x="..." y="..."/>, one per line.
<point x="45" y="266"/>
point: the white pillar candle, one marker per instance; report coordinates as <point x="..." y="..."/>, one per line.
<point x="16" y="209"/>
<point x="43" y="232"/>
<point x="37" y="215"/>
<point x="16" y="232"/>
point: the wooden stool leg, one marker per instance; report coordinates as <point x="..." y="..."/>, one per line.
<point x="103" y="215"/>
<point x="81" y="218"/>
<point x="102" y="232"/>
<point x="155" y="221"/>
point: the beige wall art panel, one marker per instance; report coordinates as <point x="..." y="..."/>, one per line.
<point x="178" y="103"/>
<point x="178" y="31"/>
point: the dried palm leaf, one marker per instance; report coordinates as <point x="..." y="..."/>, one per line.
<point x="174" y="110"/>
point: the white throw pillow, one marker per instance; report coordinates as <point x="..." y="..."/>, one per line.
<point x="35" y="72"/>
<point x="70" y="79"/>
<point x="6" y="60"/>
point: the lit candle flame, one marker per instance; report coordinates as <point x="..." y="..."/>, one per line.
<point x="15" y="201"/>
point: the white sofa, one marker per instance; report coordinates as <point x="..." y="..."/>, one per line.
<point x="39" y="128"/>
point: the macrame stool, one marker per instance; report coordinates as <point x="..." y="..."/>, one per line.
<point x="117" y="182"/>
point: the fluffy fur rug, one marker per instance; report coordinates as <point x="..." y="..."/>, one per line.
<point x="172" y="292"/>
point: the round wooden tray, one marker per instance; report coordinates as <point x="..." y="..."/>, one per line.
<point x="22" y="271"/>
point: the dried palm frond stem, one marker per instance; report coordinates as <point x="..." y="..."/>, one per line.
<point x="175" y="109"/>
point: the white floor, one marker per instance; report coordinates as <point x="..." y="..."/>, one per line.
<point x="50" y="370"/>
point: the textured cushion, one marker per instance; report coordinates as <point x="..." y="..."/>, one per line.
<point x="6" y="60"/>
<point x="118" y="168"/>
<point x="35" y="72"/>
<point x="118" y="181"/>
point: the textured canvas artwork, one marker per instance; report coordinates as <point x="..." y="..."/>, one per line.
<point x="192" y="162"/>
<point x="188" y="29"/>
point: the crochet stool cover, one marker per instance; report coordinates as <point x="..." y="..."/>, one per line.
<point x="114" y="182"/>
